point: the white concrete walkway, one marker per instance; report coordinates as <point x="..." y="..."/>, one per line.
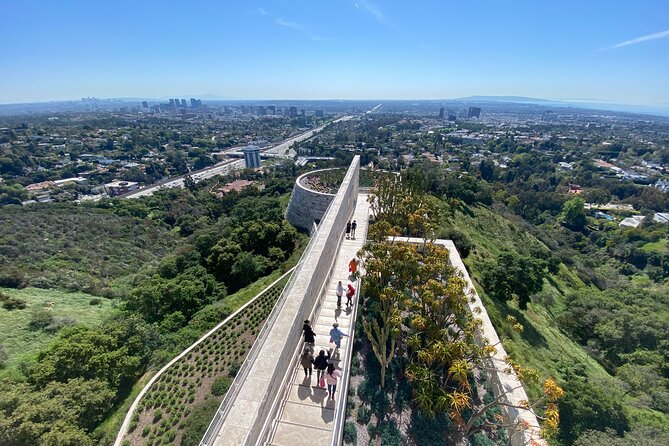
<point x="306" y="416"/>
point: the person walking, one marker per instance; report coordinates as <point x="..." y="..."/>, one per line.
<point x="336" y="335"/>
<point x="331" y="378"/>
<point x="353" y="266"/>
<point x="309" y="335"/>
<point x="321" y="363"/>
<point x="353" y="226"/>
<point x="307" y="360"/>
<point x="350" y="292"/>
<point x="340" y="293"/>
<point x="348" y="229"/>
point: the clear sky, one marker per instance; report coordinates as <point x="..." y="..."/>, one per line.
<point x="613" y="50"/>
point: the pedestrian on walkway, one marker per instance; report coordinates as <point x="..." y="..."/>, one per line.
<point x="350" y="292"/>
<point x="353" y="226"/>
<point x="321" y="363"/>
<point x="336" y="335"/>
<point x="309" y="335"/>
<point x="307" y="360"/>
<point x="331" y="378"/>
<point x="340" y="293"/>
<point x="348" y="229"/>
<point x="353" y="266"/>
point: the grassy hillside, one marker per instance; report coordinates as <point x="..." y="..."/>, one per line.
<point x="542" y="345"/>
<point x="21" y="340"/>
<point x="78" y="248"/>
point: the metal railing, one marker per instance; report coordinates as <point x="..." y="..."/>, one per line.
<point x="216" y="423"/>
<point x="126" y="422"/>
<point x="282" y="362"/>
<point x="340" y="409"/>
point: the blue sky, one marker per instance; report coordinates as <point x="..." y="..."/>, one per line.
<point x="283" y="49"/>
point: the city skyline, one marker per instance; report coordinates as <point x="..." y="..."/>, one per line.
<point x="341" y="50"/>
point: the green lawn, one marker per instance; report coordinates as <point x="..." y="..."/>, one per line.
<point x="21" y="341"/>
<point x="660" y="246"/>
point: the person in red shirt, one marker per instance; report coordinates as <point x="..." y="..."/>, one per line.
<point x="350" y="292"/>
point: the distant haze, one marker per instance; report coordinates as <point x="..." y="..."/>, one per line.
<point x="615" y="52"/>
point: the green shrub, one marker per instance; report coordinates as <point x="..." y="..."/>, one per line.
<point x="95" y="301"/>
<point x="234" y="369"/>
<point x="390" y="434"/>
<point x="157" y="415"/>
<point x="146" y="431"/>
<point x="364" y="415"/>
<point x="350" y="433"/>
<point x="12" y="303"/>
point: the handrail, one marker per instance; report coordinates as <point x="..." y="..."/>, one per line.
<point x="154" y="378"/>
<point x="267" y="407"/>
<point x="216" y="423"/>
<point x="340" y="411"/>
<point x="267" y="430"/>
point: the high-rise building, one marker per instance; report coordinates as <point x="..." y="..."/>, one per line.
<point x="292" y="112"/>
<point x="474" y="112"/>
<point x="271" y="109"/>
<point x="145" y="104"/>
<point x="251" y="156"/>
<point x="184" y="104"/>
<point x="319" y="113"/>
<point x="441" y="113"/>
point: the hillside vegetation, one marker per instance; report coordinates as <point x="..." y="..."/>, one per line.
<point x="76" y="248"/>
<point x="573" y="331"/>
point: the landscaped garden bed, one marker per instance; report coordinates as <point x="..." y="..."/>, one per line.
<point x="201" y="376"/>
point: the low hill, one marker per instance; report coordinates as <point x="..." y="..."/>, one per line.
<point x="75" y="247"/>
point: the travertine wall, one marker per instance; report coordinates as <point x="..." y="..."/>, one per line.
<point x="250" y="405"/>
<point x="307" y="206"/>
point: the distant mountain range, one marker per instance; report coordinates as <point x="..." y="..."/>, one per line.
<point x="592" y="104"/>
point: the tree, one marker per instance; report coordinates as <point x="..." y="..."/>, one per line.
<point x="512" y="274"/>
<point x="487" y="169"/>
<point x="572" y="214"/>
<point x="587" y="405"/>
<point x="189" y="183"/>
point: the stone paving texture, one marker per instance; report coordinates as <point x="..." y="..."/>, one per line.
<point x="307" y="417"/>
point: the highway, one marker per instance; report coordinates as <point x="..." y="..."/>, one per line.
<point x="225" y="167"/>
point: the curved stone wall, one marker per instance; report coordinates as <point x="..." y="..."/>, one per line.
<point x="307" y="206"/>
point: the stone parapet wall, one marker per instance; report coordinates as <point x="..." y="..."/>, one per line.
<point x="247" y="411"/>
<point x="307" y="206"/>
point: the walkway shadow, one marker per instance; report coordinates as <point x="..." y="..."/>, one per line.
<point x="304" y="390"/>
<point x="337" y="313"/>
<point x="319" y="396"/>
<point x="327" y="412"/>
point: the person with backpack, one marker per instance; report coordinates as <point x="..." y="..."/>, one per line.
<point x="348" y="229"/>
<point x="353" y="226"/>
<point x="321" y="363"/>
<point x="307" y="360"/>
<point x="331" y="378"/>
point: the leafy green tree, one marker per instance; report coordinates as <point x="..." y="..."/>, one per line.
<point x="573" y="215"/>
<point x="587" y="406"/>
<point x="513" y="275"/>
<point x="116" y="352"/>
<point x="60" y="413"/>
